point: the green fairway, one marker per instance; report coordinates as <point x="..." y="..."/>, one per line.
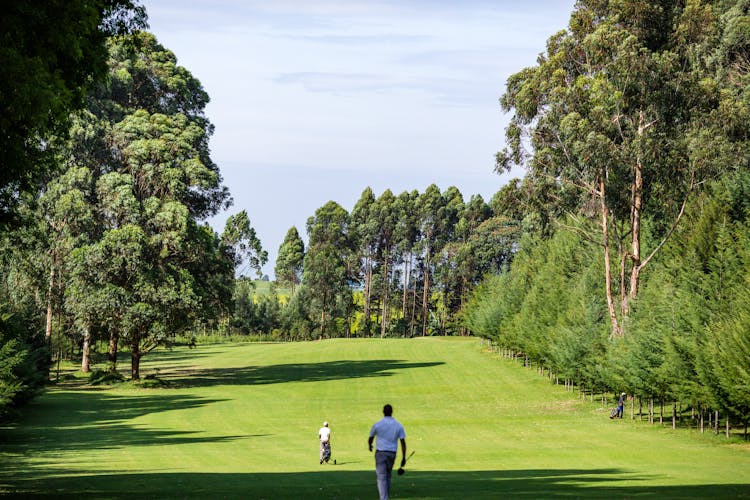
<point x="241" y="421"/>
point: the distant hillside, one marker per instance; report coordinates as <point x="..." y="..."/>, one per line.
<point x="263" y="287"/>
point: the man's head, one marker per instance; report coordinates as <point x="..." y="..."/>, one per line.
<point x="325" y="424"/>
<point x="387" y="410"/>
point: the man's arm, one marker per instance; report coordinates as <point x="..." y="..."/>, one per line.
<point x="403" y="452"/>
<point x="369" y="442"/>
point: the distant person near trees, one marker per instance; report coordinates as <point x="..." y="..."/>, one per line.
<point x="621" y="405"/>
<point x="324" y="434"/>
<point x="388" y="431"/>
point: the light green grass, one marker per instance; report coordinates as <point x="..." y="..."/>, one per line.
<point x="241" y="421"/>
<point x="264" y="288"/>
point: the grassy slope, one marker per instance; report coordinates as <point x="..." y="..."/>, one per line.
<point x="241" y="421"/>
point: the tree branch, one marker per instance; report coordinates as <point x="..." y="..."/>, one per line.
<point x="674" y="225"/>
<point x="580" y="232"/>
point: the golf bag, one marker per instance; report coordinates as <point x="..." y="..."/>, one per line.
<point x="614" y="413"/>
<point x="326" y="452"/>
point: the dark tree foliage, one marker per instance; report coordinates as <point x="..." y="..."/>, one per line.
<point x="23" y="361"/>
<point x="255" y="313"/>
<point x="291" y="255"/>
<point x="51" y="53"/>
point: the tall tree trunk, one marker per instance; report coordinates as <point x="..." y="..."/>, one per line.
<point x="85" y="359"/>
<point x="407" y="263"/>
<point x="425" y="292"/>
<point x="616" y="330"/>
<point x="464" y="285"/>
<point x="368" y="282"/>
<point x="135" y="360"/>
<point x="322" y="322"/>
<point x="50" y="307"/>
<point x="386" y="282"/>
<point x="413" y="310"/>
<point x="323" y="307"/>
<point x="636" y="214"/>
<point x="635" y="250"/>
<point x="650" y="410"/>
<point x="112" y="352"/>
<point x="623" y="275"/>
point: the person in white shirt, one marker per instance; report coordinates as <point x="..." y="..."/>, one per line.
<point x="388" y="431"/>
<point x="325" y="443"/>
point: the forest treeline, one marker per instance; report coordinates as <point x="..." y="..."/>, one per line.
<point x="394" y="266"/>
<point x="618" y="263"/>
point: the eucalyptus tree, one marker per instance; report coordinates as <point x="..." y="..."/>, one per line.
<point x="364" y="230"/>
<point x="510" y="200"/>
<point x="530" y="204"/>
<point x="385" y="214"/>
<point x="326" y="273"/>
<point x="239" y="238"/>
<point x="430" y="210"/>
<point x="468" y="272"/>
<point x="449" y="270"/>
<point x="57" y="222"/>
<point x="453" y="203"/>
<point x="471" y="216"/>
<point x="291" y="256"/>
<point x="491" y="246"/>
<point x="239" y="249"/>
<point x="615" y="110"/>
<point x="68" y="224"/>
<point x="64" y="221"/>
<point x="406" y="233"/>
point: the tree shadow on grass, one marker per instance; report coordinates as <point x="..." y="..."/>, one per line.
<point x="79" y="421"/>
<point x="342" y="484"/>
<point x="292" y="372"/>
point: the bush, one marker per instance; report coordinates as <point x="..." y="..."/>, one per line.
<point x="24" y="362"/>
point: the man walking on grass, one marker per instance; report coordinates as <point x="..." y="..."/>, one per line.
<point x="388" y="432"/>
<point x="324" y="434"/>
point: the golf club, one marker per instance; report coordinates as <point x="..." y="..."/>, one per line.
<point x="401" y="469"/>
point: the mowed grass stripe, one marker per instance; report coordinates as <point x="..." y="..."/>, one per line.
<point x="241" y="421"/>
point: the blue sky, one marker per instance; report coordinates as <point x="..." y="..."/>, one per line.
<point x="316" y="100"/>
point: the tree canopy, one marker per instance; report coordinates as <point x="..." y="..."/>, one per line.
<point x="615" y="113"/>
<point x="51" y="53"/>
